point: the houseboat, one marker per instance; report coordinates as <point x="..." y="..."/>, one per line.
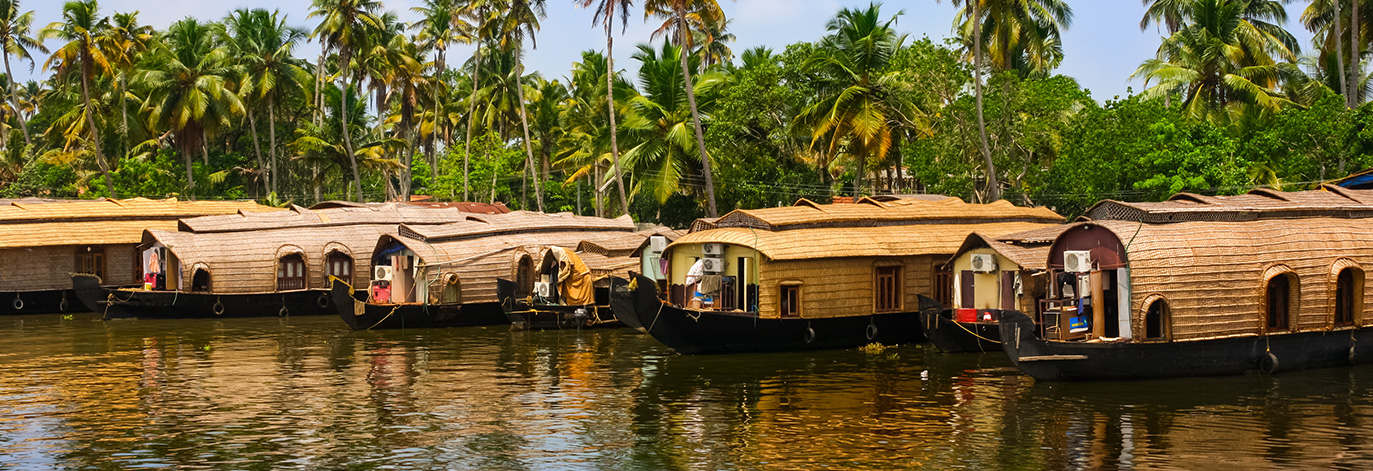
<point x="990" y="275"/>
<point x="255" y="264"/>
<point x="812" y="276"/>
<point x="45" y="240"/>
<point x="448" y="275"/>
<point x="1202" y="285"/>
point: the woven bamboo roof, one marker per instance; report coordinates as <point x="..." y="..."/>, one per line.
<point x="1030" y="255"/>
<point x="871" y="212"/>
<point x="516" y="223"/>
<point x="832" y="242"/>
<point x="628" y="245"/>
<point x="347" y="215"/>
<point x="464" y="206"/>
<point x="1328" y="201"/>
<point x="101" y="222"/>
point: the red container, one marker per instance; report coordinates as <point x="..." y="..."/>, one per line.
<point x="965" y="315"/>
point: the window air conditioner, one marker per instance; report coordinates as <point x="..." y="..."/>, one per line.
<point x="713" y="249"/>
<point x="381" y="273"/>
<point x="1077" y="261"/>
<point x="543" y="289"/>
<point x="983" y="263"/>
<point x="713" y="265"/>
<point x="657" y="244"/>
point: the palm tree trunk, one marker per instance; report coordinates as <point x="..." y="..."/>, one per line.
<point x="95" y="133"/>
<point x="1339" y="55"/>
<point x="434" y="134"/>
<point x="14" y="104"/>
<point x="1354" y="39"/>
<point x="272" y="147"/>
<point x="993" y="186"/>
<point x="472" y="105"/>
<point x="343" y="120"/>
<point x="124" y="112"/>
<point x="524" y="123"/>
<point x="319" y="84"/>
<point x="257" y="147"/>
<point x="610" y="103"/>
<point x="711" y="211"/>
<point x="596" y="190"/>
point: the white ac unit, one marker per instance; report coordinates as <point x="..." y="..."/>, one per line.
<point x="713" y="265"/>
<point x="713" y="249"/>
<point x="381" y="273"/>
<point x="983" y="263"/>
<point x="1077" y="261"/>
<point x="657" y="244"/>
<point x="543" y="289"/>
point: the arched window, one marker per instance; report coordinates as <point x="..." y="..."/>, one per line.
<point x="1156" y="319"/>
<point x="291" y="272"/>
<point x="339" y="265"/>
<point x="1280" y="301"/>
<point x="524" y="276"/>
<point x="1348" y="295"/>
<point x="200" y="281"/>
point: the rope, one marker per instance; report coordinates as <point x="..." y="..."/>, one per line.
<point x="974" y="334"/>
<point x="383" y="319"/>
<point x="655" y="316"/>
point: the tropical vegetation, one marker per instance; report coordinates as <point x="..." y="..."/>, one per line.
<point x="235" y="107"/>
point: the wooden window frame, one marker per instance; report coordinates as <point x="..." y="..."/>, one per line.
<point x="90" y="259"/>
<point x="887" y="292"/>
<point x="1165" y="324"/>
<point x="792" y="290"/>
<point x="286" y="281"/>
<point x="1293" y="304"/>
<point x="330" y="271"/>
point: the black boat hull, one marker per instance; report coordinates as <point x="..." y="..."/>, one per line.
<point x="526" y="316"/>
<point x="361" y="315"/>
<point x="53" y="301"/>
<point x="952" y="336"/>
<point x="1053" y="361"/>
<point x="715" y="332"/>
<point x="628" y="298"/>
<point x="131" y="303"/>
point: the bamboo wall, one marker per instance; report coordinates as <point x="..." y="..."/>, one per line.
<point x="838" y="287"/>
<point x="46" y="268"/>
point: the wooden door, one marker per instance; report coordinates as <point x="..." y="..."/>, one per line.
<point x="1008" y="290"/>
<point x="965" y="289"/>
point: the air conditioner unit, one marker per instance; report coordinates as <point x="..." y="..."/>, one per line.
<point x="381" y="273"/>
<point x="543" y="290"/>
<point x="1077" y="261"/>
<point x="713" y="265"/>
<point x="657" y="244"/>
<point x="983" y="263"/>
<point x="713" y="249"/>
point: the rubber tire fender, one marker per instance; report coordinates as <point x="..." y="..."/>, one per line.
<point x="322" y="301"/>
<point x="871" y="331"/>
<point x="283" y="312"/>
<point x="1268" y="363"/>
<point x="17" y="304"/>
<point x="809" y="335"/>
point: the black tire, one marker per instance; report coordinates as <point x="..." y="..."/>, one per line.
<point x="17" y="304"/>
<point x="283" y="312"/>
<point x="62" y="306"/>
<point x="1268" y="364"/>
<point x="810" y="335"/>
<point x="218" y="308"/>
<point x="322" y="301"/>
<point x="872" y="332"/>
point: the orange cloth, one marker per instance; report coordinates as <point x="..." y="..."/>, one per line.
<point x="574" y="278"/>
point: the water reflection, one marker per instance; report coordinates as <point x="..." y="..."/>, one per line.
<point x="306" y="393"/>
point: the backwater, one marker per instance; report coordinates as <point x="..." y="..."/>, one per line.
<point x="306" y="393"/>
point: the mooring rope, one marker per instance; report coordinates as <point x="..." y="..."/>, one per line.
<point x="388" y="316"/>
<point x="974" y="334"/>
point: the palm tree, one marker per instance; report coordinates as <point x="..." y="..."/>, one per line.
<point x="320" y="146"/>
<point x="189" y="81"/>
<point x="964" y="19"/>
<point x="586" y="138"/>
<point x="520" y="20"/>
<point x="129" y="40"/>
<point x="480" y="10"/>
<point x="856" y="108"/>
<point x="346" y="26"/>
<point x="675" y="14"/>
<point x="711" y="41"/>
<point x="605" y="14"/>
<point x="660" y="162"/>
<point x="83" y="29"/>
<point x="265" y="47"/>
<point x="439" y="26"/>
<point x="1318" y="18"/>
<point x="405" y="79"/>
<point x="15" y="39"/>
<point x="1224" y="58"/>
<point x="1020" y="35"/>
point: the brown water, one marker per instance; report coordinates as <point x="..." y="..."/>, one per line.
<point x="305" y="393"/>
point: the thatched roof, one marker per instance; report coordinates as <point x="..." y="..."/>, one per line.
<point x="1029" y="249"/>
<point x="830" y="242"/>
<point x="870" y="212"/>
<point x="101" y="222"/>
<point x="628" y="245"/>
<point x="464" y="206"/>
<point x="374" y="213"/>
<point x="1328" y="201"/>
<point x="517" y="223"/>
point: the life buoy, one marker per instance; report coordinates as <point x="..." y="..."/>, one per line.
<point x="218" y="308"/>
<point x="322" y="301"/>
<point x="283" y="312"/>
<point x="1268" y="364"/>
<point x="810" y="335"/>
<point x="872" y="331"/>
<point x="18" y="304"/>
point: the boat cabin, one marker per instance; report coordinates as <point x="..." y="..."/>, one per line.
<point x="813" y="260"/>
<point x="1001" y="273"/>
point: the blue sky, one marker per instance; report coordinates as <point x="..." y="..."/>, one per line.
<point x="1101" y="49"/>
